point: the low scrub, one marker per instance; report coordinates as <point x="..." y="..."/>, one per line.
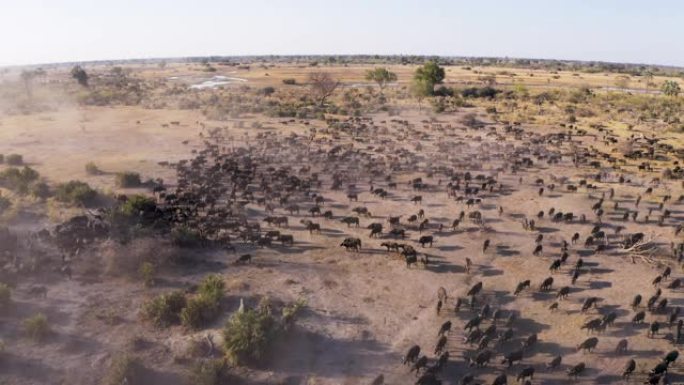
<point x="18" y="180"/>
<point x="36" y="327"/>
<point x="128" y="179"/>
<point x="124" y="369"/>
<point x="164" y="310"/>
<point x="183" y="236"/>
<point x="92" y="169"/>
<point x="209" y="372"/>
<point x="75" y="192"/>
<point x="205" y="306"/>
<point x="5" y="296"/>
<point x="5" y="204"/>
<point x="249" y="333"/>
<point x="14" y="160"/>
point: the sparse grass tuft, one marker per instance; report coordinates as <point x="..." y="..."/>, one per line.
<point x="147" y="272"/>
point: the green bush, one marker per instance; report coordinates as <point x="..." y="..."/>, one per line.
<point x="184" y="236"/>
<point x="212" y="286"/>
<point x="206" y="305"/>
<point x="75" y="192"/>
<point x="128" y="179"/>
<point x="147" y="272"/>
<point x="36" y="327"/>
<point x="137" y="204"/>
<point x="18" y="179"/>
<point x="14" y="160"/>
<point x="5" y="295"/>
<point x="199" y="311"/>
<point x="40" y="190"/>
<point x="92" y="169"/>
<point x="165" y="309"/>
<point x="248" y="333"/>
<point x="124" y="369"/>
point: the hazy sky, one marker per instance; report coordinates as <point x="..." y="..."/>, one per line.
<point x="644" y="31"/>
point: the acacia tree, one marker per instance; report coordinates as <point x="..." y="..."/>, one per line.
<point x="80" y="75"/>
<point x="671" y="88"/>
<point x="382" y="76"/>
<point x="322" y="85"/>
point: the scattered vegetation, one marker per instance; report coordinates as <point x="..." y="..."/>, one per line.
<point x="147" y="273"/>
<point x="208" y="372"/>
<point x="5" y="203"/>
<point x="382" y="76"/>
<point x="289" y="81"/>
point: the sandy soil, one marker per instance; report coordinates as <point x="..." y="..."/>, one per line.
<point x="364" y="309"/>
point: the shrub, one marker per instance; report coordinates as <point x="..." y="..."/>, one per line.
<point x="147" y="272"/>
<point x="249" y="333"/>
<point x="208" y="372"/>
<point x="2" y="159"/>
<point x="18" y="179"/>
<point x="40" y="190"/>
<point x="5" y="295"/>
<point x="266" y="91"/>
<point x="36" y="327"/>
<point x="199" y="311"/>
<point x="124" y="369"/>
<point x="92" y="169"/>
<point x="5" y="203"/>
<point x="205" y="306"/>
<point x="75" y="192"/>
<point x="212" y="286"/>
<point x="137" y="204"/>
<point x="128" y="179"/>
<point x="184" y="236"/>
<point x="164" y="310"/>
<point x="14" y="160"/>
<point x="289" y="81"/>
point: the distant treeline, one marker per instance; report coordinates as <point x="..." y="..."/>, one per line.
<point x="322" y="60"/>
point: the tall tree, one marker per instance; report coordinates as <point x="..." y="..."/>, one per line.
<point x="382" y="76"/>
<point x="322" y="85"/>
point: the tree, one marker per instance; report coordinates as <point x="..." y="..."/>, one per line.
<point x="80" y="75"/>
<point x="421" y="88"/>
<point x="430" y="73"/>
<point x="671" y="88"/>
<point x="322" y="86"/>
<point x="382" y="76"/>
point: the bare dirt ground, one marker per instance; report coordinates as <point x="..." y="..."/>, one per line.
<point x="364" y="309"/>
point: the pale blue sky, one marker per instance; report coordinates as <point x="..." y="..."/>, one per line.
<point x="40" y="31"/>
